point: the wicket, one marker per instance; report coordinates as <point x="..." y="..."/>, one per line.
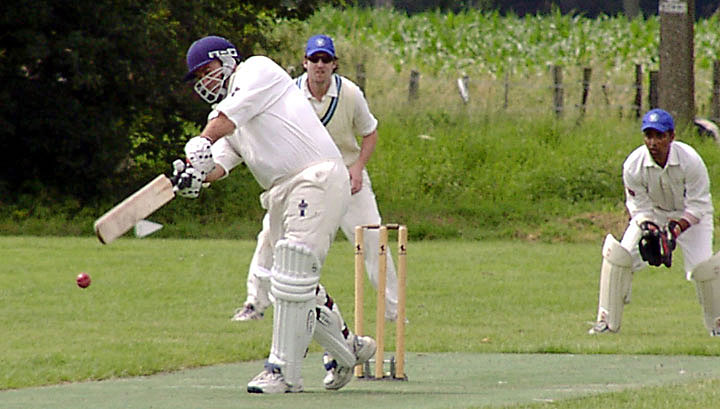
<point x="397" y="363"/>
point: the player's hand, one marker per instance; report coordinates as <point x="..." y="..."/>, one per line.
<point x="676" y="227"/>
<point x="650" y="243"/>
<point x="667" y="245"/>
<point x="189" y="183"/>
<point x="355" y="178"/>
<point x="198" y="152"/>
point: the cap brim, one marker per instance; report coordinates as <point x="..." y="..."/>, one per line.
<point x="321" y="50"/>
<point x="655" y="127"/>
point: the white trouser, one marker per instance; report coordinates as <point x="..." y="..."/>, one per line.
<point x="361" y="210"/>
<point x="304" y="213"/>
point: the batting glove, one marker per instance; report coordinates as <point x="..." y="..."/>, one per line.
<point x="189" y="183"/>
<point x="198" y="152"/>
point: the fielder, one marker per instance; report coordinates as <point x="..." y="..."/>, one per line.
<point x="342" y="108"/>
<point x="261" y="117"/>
<point x="667" y="191"/>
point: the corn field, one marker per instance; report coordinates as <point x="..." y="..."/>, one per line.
<point x="508" y="59"/>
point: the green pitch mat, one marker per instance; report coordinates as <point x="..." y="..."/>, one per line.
<point x="435" y="381"/>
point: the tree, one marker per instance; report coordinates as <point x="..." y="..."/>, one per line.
<point x="90" y="86"/>
<point x="631" y="8"/>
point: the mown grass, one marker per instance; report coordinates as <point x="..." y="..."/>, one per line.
<point x="164" y="304"/>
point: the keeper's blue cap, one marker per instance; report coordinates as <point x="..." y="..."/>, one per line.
<point x="320" y="43"/>
<point x="658" y="119"/>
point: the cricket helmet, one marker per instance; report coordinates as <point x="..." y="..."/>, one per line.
<point x="212" y="86"/>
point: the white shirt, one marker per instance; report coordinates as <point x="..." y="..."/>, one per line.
<point x="352" y="116"/>
<point x="682" y="187"/>
<point x="277" y="133"/>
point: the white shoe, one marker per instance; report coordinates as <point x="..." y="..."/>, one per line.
<point x="330" y="364"/>
<point x="248" y="312"/>
<point x="337" y="375"/>
<point x="271" y="380"/>
<point x="600" y="327"/>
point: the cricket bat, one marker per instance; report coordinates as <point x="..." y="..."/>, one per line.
<point x="121" y="218"/>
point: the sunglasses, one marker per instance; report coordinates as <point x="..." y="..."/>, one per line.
<point x="323" y="57"/>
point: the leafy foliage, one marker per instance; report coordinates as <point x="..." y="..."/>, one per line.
<point x="91" y="86"/>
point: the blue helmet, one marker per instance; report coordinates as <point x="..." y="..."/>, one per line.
<point x="211" y="87"/>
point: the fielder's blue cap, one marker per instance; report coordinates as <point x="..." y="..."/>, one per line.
<point x="320" y="43"/>
<point x="658" y="119"/>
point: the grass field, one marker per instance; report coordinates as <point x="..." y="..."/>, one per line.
<point x="161" y="305"/>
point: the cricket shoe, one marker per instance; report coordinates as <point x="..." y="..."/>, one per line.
<point x="600" y="327"/>
<point x="391" y="316"/>
<point x="337" y="375"/>
<point x="247" y="313"/>
<point x="271" y="380"/>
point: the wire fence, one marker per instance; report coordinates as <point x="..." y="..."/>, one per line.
<point x="560" y="91"/>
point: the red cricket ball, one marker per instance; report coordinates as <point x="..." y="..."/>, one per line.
<point x="83" y="280"/>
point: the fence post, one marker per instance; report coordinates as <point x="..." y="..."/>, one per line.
<point x="507" y="90"/>
<point x="360" y="76"/>
<point x="715" y="109"/>
<point x="605" y="94"/>
<point x="558" y="90"/>
<point x="587" y="73"/>
<point x="414" y="85"/>
<point x="462" y="84"/>
<point x="638" y="91"/>
<point x="653" y="92"/>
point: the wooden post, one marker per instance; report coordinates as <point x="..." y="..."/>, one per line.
<point x="605" y="94"/>
<point x="587" y="73"/>
<point x="638" y="91"/>
<point x="360" y="76"/>
<point x="380" y="307"/>
<point x="507" y="90"/>
<point x="715" y="102"/>
<point x="463" y="88"/>
<point x="414" y="85"/>
<point x="653" y="92"/>
<point x="558" y="90"/>
<point x="359" y="286"/>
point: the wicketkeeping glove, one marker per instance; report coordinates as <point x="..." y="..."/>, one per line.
<point x="655" y="247"/>
<point x="198" y="152"/>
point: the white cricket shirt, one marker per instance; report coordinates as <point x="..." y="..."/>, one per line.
<point x="350" y="119"/>
<point x="277" y="132"/>
<point x="683" y="186"/>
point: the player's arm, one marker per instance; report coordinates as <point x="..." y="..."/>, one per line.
<point x="697" y="198"/>
<point x="217" y="127"/>
<point x="367" y="148"/>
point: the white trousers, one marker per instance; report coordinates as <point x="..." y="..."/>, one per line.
<point x="361" y="210"/>
<point x="304" y="212"/>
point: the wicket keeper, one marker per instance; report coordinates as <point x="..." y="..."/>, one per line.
<point x="667" y="192"/>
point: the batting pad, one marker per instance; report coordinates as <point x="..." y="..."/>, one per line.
<point x="328" y="333"/>
<point x="615" y="281"/>
<point x="707" y="284"/>
<point x="295" y="277"/>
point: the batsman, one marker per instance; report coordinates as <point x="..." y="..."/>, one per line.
<point x="667" y="194"/>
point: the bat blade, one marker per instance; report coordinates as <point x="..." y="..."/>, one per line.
<point x="123" y="217"/>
